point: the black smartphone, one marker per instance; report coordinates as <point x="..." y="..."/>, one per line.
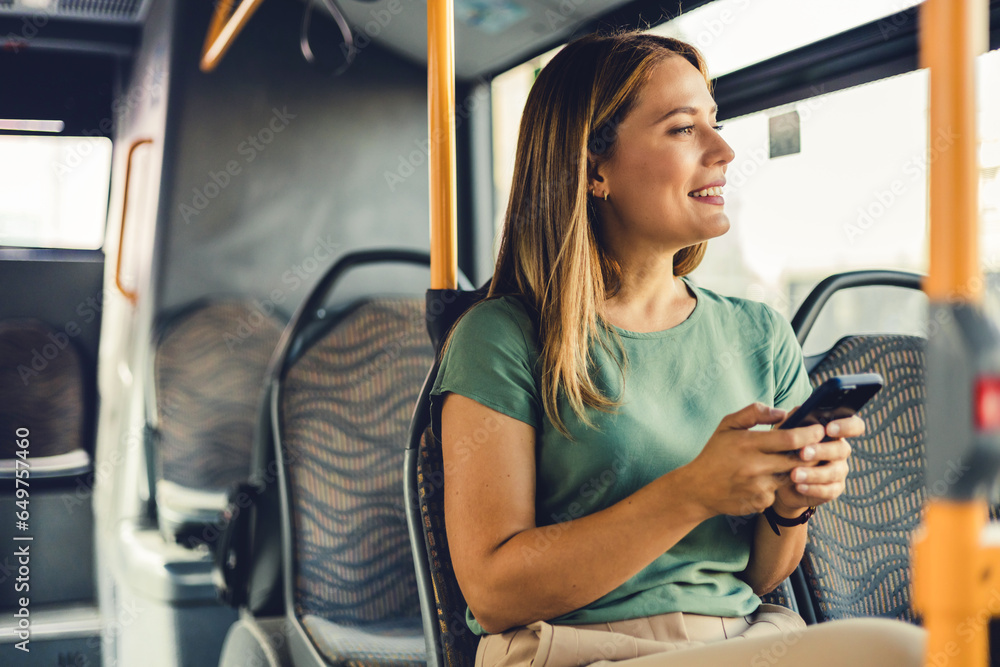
<point x="838" y="397"/>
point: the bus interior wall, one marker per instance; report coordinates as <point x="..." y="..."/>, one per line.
<point x="279" y="167"/>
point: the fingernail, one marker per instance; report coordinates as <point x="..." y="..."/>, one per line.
<point x="802" y="488"/>
<point x="808" y="453"/>
<point x="833" y="429"/>
<point x="798" y="475"/>
<point x="777" y="412"/>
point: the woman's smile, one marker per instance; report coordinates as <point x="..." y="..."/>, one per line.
<point x="710" y="194"/>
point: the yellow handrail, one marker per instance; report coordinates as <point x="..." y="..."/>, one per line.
<point x="441" y="117"/>
<point x="131" y="295"/>
<point x="222" y="31"/>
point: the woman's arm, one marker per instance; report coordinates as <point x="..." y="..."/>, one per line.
<point x="774" y="557"/>
<point x="513" y="573"/>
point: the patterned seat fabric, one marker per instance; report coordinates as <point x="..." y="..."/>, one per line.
<point x="458" y="642"/>
<point x="857" y="559"/>
<point x="41" y="389"/>
<point x="782" y="595"/>
<point x="209" y="374"/>
<point x="346" y="405"/>
<point x="393" y="644"/>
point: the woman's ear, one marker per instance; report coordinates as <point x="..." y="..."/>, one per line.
<point x="595" y="180"/>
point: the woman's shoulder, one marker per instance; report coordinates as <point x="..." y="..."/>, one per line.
<point x="497" y="318"/>
<point x="725" y="302"/>
<point x="748" y="314"/>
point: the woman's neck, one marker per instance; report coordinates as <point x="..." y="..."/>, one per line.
<point x="650" y="298"/>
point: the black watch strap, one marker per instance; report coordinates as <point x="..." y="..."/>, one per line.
<point x="774" y="519"/>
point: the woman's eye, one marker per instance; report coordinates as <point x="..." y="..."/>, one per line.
<point x="689" y="129"/>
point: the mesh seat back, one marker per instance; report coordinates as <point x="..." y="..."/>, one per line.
<point x="209" y="372"/>
<point x="41" y="389"/>
<point x="857" y="558"/>
<point x="458" y="643"/>
<point x="345" y="410"/>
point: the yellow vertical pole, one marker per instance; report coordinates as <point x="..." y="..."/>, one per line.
<point x="950" y="570"/>
<point x="952" y="33"/>
<point x="441" y="116"/>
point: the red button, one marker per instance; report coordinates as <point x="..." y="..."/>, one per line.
<point x="987" y="406"/>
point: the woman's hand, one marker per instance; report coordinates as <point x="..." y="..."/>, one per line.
<point x="739" y="471"/>
<point x="821" y="470"/>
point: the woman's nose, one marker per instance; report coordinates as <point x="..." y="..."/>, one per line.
<point x="721" y="152"/>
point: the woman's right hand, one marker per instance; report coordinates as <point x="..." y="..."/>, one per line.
<point x="739" y="470"/>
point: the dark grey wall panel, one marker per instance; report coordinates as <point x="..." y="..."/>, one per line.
<point x="62" y="288"/>
<point x="279" y="168"/>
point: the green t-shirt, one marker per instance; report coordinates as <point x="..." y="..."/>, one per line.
<point x="678" y="385"/>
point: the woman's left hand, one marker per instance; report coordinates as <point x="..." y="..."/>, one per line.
<point x="824" y="469"/>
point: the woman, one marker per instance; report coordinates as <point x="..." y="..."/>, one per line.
<point x="597" y="413"/>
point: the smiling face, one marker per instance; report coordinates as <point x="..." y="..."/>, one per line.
<point x="667" y="149"/>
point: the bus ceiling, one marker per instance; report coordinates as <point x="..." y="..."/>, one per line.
<point x="488" y="39"/>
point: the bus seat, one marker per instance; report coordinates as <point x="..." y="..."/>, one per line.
<point x="856" y="562"/>
<point x="345" y="406"/>
<point x="783" y="595"/>
<point x="44" y="404"/>
<point x="341" y="390"/>
<point x="209" y="369"/>
<point x="857" y="557"/>
<point x="42" y="389"/>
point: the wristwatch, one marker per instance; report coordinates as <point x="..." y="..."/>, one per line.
<point x="775" y="519"/>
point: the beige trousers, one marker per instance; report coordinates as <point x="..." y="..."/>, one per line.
<point x="770" y="637"/>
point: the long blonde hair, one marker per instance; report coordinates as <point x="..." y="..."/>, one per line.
<point x="550" y="252"/>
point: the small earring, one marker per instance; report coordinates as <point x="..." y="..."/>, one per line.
<point x="605" y="196"/>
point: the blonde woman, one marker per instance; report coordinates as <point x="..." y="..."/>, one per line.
<point x="596" y="450"/>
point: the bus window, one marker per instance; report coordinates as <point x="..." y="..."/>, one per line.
<point x="869" y="170"/>
<point x="54" y="191"/>
<point x="733" y="34"/>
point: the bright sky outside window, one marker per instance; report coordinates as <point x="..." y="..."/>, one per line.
<point x="54" y="191"/>
<point x="733" y="34"/>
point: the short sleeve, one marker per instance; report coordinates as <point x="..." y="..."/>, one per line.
<point x="491" y="358"/>
<point x="791" y="381"/>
